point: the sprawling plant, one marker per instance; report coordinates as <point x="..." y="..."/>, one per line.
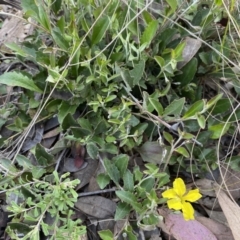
<point x="124" y="79"/>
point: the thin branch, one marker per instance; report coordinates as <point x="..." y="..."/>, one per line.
<point x="96" y="192"/>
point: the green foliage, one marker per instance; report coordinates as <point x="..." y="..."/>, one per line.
<point x="135" y="186"/>
<point x="17" y="79"/>
<point x="131" y="86"/>
<point x="59" y="196"/>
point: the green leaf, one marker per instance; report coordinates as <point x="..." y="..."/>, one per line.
<point x="166" y="89"/>
<point x="166" y="37"/>
<point x="125" y="74"/>
<point x="234" y="163"/>
<point x="28" y="176"/>
<point x="110" y="148"/>
<point x="201" y="121"/>
<point x="222" y="106"/>
<point x="130" y="198"/>
<point x="110" y="139"/>
<point x="214" y="100"/>
<point x="103" y="180"/>
<point x="56" y="6"/>
<point x="219" y="3"/>
<point x="203" y="137"/>
<point x="106" y="235"/>
<point x="130" y="235"/>
<point x="149" y="32"/>
<point x="42" y="156"/>
<point x="30" y="7"/>
<point x="20" y="227"/>
<point x="177" y="52"/>
<point x="110" y="98"/>
<point x="58" y="37"/>
<point x="128" y="181"/>
<point x="7" y="164"/>
<point x="99" y="29"/>
<point x="173" y="4"/>
<point x="147" y="17"/>
<point x="17" y="49"/>
<point x="160" y="61"/>
<point x="156" y="105"/>
<point x="148" y="184"/>
<point x="186" y="135"/>
<point x="85" y="124"/>
<point x="182" y="151"/>
<point x="121" y="162"/>
<point x="112" y="171"/>
<point x="197" y="107"/>
<point x="23" y="161"/>
<point x="189" y="71"/>
<point x="27" y="193"/>
<point x="69" y="122"/>
<point x="233" y="116"/>
<point x="44" y="227"/>
<point x="76" y="56"/>
<point x="92" y="150"/>
<point x="6" y="180"/>
<point x="137" y="72"/>
<point x="174" y="108"/>
<point x="219" y="130"/>
<point x="137" y="174"/>
<point x="152" y="169"/>
<point x="64" y="109"/>
<point x="122" y="210"/>
<point x="37" y="172"/>
<point x="168" y="137"/>
<point x="44" y="18"/>
<point x="163" y="180"/>
<point x="15" y="79"/>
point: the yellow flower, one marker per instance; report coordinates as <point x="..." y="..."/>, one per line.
<point x="178" y="196"/>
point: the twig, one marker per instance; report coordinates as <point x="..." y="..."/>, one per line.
<point x="60" y="158"/>
<point x="97" y="192"/>
<point x="158" y="119"/>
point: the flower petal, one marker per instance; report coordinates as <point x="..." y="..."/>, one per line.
<point x="192" y="195"/>
<point x="174" y="204"/>
<point x="170" y="193"/>
<point x="188" y="211"/>
<point x="179" y="187"/>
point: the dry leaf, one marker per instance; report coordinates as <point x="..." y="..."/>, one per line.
<point x="118" y="228"/>
<point x="210" y="203"/>
<point x="78" y="152"/>
<point x="221" y="231"/>
<point x="231" y="211"/>
<point x="51" y="124"/>
<point x="106" y="225"/>
<point x="205" y="187"/>
<point x="96" y="206"/>
<point x="217" y="216"/>
<point x="4" y="216"/>
<point x="52" y="133"/>
<point x="15" y="30"/>
<point x="69" y="166"/>
<point x="93" y="184"/>
<point x="152" y="152"/>
<point x="85" y="174"/>
<point x="231" y="179"/>
<point x="191" y="48"/>
<point x="176" y="226"/>
<point x="83" y="237"/>
<point x="34" y="137"/>
<point x="48" y="142"/>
